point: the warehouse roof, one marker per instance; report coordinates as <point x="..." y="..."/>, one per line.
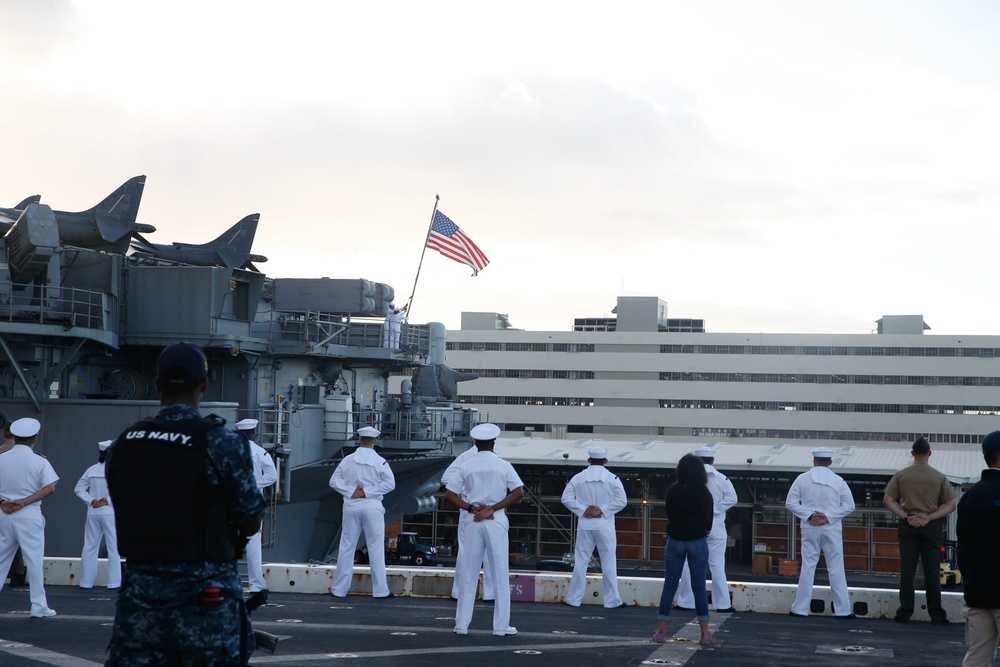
<point x="960" y="466"/>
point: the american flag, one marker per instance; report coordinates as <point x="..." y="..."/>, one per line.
<point x="450" y="241"/>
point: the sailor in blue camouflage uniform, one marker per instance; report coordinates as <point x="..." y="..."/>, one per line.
<point x="184" y="511"/>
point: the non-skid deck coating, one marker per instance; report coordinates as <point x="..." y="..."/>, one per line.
<point x="412" y="632"/>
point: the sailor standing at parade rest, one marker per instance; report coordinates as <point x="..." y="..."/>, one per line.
<point x="595" y="496"/>
<point x="821" y="498"/>
<point x="25" y="479"/>
<point x="363" y="478"/>
<point x="490" y="485"/>
<point x="93" y="490"/>
<point x="265" y="475"/>
<point x="464" y="519"/>
<point x="724" y="494"/>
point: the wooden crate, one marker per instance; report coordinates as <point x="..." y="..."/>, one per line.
<point x="788" y="567"/>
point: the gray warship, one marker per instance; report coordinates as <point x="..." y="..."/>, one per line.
<point x="82" y="322"/>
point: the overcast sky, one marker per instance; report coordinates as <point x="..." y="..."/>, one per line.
<point x="767" y="166"/>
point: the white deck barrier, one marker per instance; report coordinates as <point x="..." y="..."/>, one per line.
<point x="530" y="586"/>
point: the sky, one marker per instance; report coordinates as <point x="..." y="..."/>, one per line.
<point x="766" y="166"/>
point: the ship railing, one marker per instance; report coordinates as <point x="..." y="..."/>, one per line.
<point x="317" y="330"/>
<point x="63" y="306"/>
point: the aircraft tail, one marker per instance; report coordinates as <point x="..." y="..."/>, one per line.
<point x="233" y="245"/>
<point x="115" y="215"/>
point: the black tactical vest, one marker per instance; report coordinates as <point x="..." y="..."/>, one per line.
<point x="165" y="509"/>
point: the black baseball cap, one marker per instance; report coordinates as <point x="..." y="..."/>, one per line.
<point x="182" y="364"/>
<point x="991" y="444"/>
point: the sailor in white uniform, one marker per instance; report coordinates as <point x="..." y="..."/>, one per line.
<point x="265" y="474"/>
<point x="363" y="478"/>
<point x="93" y="490"/>
<point x="25" y="479"/>
<point x="820" y="499"/>
<point x="724" y="495"/>
<point x="489" y="485"/>
<point x="464" y="519"/>
<point x="392" y="326"/>
<point x="595" y="496"/>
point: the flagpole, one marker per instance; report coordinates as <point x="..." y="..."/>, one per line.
<point x="409" y="302"/>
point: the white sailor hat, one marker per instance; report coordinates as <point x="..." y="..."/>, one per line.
<point x="246" y="425"/>
<point x="485" y="431"/>
<point x="705" y="452"/>
<point x="597" y="453"/>
<point x="104" y="444"/>
<point x="26" y="427"/>
<point x="822" y="453"/>
<point x="369" y="432"/>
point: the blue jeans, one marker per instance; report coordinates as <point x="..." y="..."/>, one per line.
<point x="696" y="554"/>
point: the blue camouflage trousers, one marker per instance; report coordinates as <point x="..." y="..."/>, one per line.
<point x="159" y="621"/>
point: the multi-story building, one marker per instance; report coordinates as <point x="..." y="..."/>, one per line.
<point x="644" y="375"/>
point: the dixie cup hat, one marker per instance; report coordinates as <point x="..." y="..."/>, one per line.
<point x="597" y="453"/>
<point x="822" y="453"/>
<point x="246" y="424"/>
<point x="369" y="432"/>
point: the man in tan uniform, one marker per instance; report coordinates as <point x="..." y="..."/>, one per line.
<point x="920" y="497"/>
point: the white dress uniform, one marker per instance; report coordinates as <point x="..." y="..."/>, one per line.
<point x="392" y="326"/>
<point x="100" y="524"/>
<point x="821" y="490"/>
<point x="600" y="487"/>
<point x="266" y="474"/>
<point x="23" y="473"/>
<point x="724" y="497"/>
<point x="371" y="472"/>
<point x="486" y="479"/>
<point x="464" y="519"/>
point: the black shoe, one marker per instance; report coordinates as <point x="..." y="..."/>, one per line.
<point x="680" y="608"/>
<point x="940" y="621"/>
<point x="727" y="610"/>
<point x="792" y="613"/>
<point x="490" y="601"/>
<point x="847" y="616"/>
<point x="385" y="597"/>
<point x="901" y="619"/>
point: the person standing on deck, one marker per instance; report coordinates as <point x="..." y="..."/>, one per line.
<point x="820" y="498"/>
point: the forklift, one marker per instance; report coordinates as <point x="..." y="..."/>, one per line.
<point x="950" y="574"/>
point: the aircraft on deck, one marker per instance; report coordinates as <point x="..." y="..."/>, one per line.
<point x="230" y="249"/>
<point x="109" y="225"/>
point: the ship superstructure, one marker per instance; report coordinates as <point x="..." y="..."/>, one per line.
<point x="81" y="328"/>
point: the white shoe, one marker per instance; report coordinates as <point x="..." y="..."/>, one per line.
<point x="511" y="630"/>
<point x="47" y="613"/>
<point x="461" y="631"/>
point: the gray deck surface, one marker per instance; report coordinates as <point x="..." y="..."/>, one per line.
<point x="318" y="629"/>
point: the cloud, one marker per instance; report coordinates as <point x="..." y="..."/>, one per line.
<point x="33" y="31"/>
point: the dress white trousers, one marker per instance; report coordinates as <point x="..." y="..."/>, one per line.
<point x="100" y="524"/>
<point x="607" y="544"/>
<point x="25" y="528"/>
<point x="255" y="564"/>
<point x="372" y="522"/>
<point x="717" y="568"/>
<point x="462" y="562"/>
<point x="486" y="538"/>
<point x="828" y="540"/>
